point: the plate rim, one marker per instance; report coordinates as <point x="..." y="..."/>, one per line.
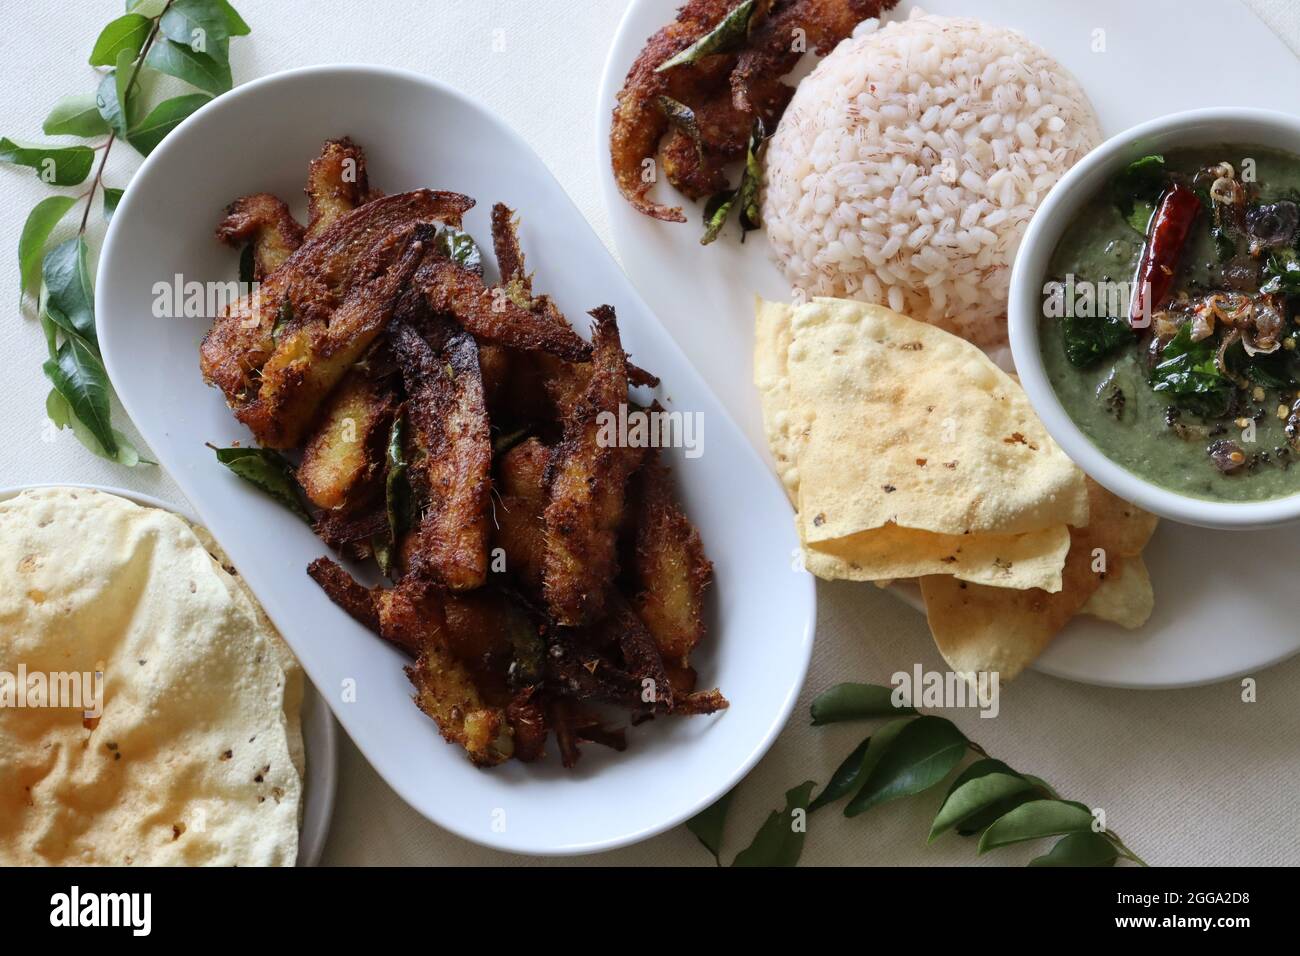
<point x="611" y="81"/>
<point x="321" y="756"/>
<point x="360" y="72"/>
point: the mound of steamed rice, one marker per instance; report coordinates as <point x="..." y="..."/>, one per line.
<point x="909" y="162"/>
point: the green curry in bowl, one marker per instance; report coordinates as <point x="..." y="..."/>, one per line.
<point x="1170" y="315"/>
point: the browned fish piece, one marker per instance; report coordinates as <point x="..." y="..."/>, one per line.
<point x="450" y="427"/>
<point x="264" y="221"/>
<point x="520" y="527"/>
<point x="639" y="122"/>
<point x="669" y="570"/>
<point x="312" y="356"/>
<point x="336" y="184"/>
<point x="344" y="454"/>
<point x="586" y="480"/>
<point x="309" y="286"/>
<point x="452" y="290"/>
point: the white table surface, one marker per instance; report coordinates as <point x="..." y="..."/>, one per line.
<point x="1190" y="776"/>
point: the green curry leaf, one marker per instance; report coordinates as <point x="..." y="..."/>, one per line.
<point x="779" y="841"/>
<point x="728" y="35"/>
<point x="268" y="470"/>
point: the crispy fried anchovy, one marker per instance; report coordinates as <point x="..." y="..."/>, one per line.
<point x="447" y="411"/>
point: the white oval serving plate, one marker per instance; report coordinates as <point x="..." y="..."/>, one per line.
<point x="1206" y="626"/>
<point x="319" y="734"/>
<point x="417" y="133"/>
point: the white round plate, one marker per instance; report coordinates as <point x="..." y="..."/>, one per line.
<point x="1208" y="625"/>
<point x="319" y="732"/>
<point x="417" y="133"/>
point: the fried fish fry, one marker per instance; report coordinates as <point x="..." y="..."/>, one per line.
<point x="264" y="221"/>
<point x="311" y="357"/>
<point x="670" y="571"/>
<point x="639" y="122"/>
<point x="308" y="288"/>
<point x="450" y="425"/>
<point x="772" y="51"/>
<point x="489" y="314"/>
<point x="417" y="621"/>
<point x="345" y="453"/>
<point x="336" y="184"/>
<point x="586" y="482"/>
<point x="510" y="256"/>
<point x="520" y="526"/>
<point x="445" y="688"/>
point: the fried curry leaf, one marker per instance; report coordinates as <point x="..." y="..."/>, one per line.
<point x="708" y="824"/>
<point x="728" y="35"/>
<point x="779" y="841"/>
<point x="849" y="701"/>
<point x="1187" y="373"/>
<point x="397" y="494"/>
<point x="1079" y="849"/>
<point x="751" y="181"/>
<point x="1089" y="340"/>
<point x="716" y="211"/>
<point x="744" y="197"/>
<point x="924" y="752"/>
<point x="267" y="470"/>
<point x="1137" y="188"/>
<point x="459" y="246"/>
<point x="1034" y="820"/>
<point x="682" y="117"/>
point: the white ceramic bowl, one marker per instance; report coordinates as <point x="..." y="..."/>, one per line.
<point x="1192" y="128"/>
<point x="418" y="132"/>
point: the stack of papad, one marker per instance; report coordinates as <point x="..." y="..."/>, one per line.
<point x="909" y="454"/>
<point x="197" y="757"/>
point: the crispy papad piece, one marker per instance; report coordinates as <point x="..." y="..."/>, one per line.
<point x="311" y="358"/>
<point x="336" y="184"/>
<point x="344" y="455"/>
<point x="914" y="426"/>
<point x="586" y="485"/>
<point x="265" y="221"/>
<point x="450" y="427"/>
<point x="1019" y="561"/>
<point x="309" y="286"/>
<point x="670" y="572"/>
<point x="983" y="629"/>
<point x="520" y="526"/>
<point x="785" y="425"/>
<point x="1125" y="598"/>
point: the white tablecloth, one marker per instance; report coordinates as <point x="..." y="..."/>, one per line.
<point x="1191" y="776"/>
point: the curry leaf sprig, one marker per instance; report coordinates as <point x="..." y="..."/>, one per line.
<point x="908" y="755"/>
<point x="185" y="39"/>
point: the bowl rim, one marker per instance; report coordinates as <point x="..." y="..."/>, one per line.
<point x="802" y="588"/>
<point x="1024" y="306"/>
